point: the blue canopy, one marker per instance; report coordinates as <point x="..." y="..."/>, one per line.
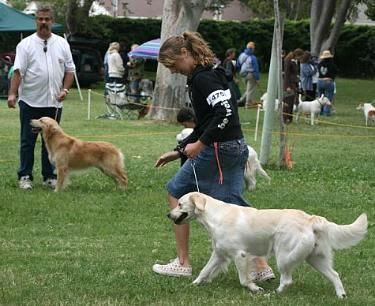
<point x="12" y="20"/>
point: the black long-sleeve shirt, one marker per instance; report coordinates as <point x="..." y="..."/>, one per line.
<point x="327" y="69"/>
<point x="215" y="108"/>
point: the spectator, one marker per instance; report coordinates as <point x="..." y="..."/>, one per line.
<point x="43" y="74"/>
<point x="186" y="118"/>
<point x="290" y="83"/>
<point x="106" y="76"/>
<point x="327" y="74"/>
<point x="229" y="65"/>
<point x="125" y="59"/>
<point x="217" y="132"/>
<point x="115" y="65"/>
<point x="249" y="70"/>
<point x="135" y="73"/>
<point x="315" y="78"/>
<point x="307" y="73"/>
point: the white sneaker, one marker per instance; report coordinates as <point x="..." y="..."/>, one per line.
<point x="174" y="268"/>
<point x="25" y="182"/>
<point x="265" y="275"/>
<point x="50" y="182"/>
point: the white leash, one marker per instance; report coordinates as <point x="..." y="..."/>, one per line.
<point x="195" y="174"/>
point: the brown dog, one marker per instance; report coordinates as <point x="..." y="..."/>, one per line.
<point x="68" y="153"/>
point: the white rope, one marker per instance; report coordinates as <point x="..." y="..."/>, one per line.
<point x="195" y="175"/>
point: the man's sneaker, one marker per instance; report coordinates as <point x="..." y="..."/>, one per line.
<point x="174" y="268"/>
<point x="50" y="182"/>
<point x="262" y="276"/>
<point x="25" y="182"/>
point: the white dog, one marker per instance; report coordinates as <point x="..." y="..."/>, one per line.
<point x="263" y="99"/>
<point x="240" y="233"/>
<point x="252" y="167"/>
<point x="368" y="111"/>
<point x="311" y="107"/>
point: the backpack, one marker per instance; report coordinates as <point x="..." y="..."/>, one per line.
<point x="245" y="66"/>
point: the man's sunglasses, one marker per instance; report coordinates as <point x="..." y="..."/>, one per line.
<point x="41" y="19"/>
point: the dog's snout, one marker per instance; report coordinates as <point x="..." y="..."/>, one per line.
<point x="169" y="215"/>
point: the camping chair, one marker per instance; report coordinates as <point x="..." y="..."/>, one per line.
<point x="120" y="104"/>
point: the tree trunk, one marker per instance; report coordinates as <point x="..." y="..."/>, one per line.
<point x="170" y="94"/>
<point x="341" y="16"/>
<point x="76" y="14"/>
<point x="322" y="12"/>
<point x="322" y="37"/>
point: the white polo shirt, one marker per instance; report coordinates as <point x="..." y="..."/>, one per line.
<point x="42" y="72"/>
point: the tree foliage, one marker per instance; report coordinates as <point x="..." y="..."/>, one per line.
<point x="370" y="12"/>
<point x="292" y="9"/>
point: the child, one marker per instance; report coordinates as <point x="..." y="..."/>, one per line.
<point x="186" y="118"/>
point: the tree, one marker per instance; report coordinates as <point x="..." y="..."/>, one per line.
<point x="169" y="93"/>
<point x="77" y="13"/>
<point x="370" y="12"/>
<point x="292" y="9"/>
<point x="324" y="35"/>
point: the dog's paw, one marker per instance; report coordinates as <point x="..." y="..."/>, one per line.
<point x="198" y="281"/>
<point x="254" y="288"/>
<point x="342" y="295"/>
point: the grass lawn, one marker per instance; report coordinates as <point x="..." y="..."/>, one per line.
<point x="94" y="244"/>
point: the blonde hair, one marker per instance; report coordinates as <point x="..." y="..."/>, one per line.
<point x="114" y="46"/>
<point x="250" y="45"/>
<point x="193" y="42"/>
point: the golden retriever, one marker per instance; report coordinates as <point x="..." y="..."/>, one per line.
<point x="240" y="233"/>
<point x="68" y="153"/>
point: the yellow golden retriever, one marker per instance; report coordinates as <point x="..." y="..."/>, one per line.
<point x="68" y="153"/>
<point x="292" y="236"/>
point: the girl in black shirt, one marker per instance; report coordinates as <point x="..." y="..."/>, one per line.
<point x="216" y="150"/>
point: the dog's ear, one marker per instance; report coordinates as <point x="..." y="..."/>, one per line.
<point x="199" y="201"/>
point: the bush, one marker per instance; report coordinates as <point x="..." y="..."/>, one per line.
<point x="354" y="54"/>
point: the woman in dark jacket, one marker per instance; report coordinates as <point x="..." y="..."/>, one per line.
<point x="290" y="84"/>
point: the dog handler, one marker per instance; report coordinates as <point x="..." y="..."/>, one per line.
<point x="216" y="149"/>
<point x="43" y="74"/>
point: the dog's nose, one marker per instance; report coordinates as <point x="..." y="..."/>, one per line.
<point x="169" y="215"/>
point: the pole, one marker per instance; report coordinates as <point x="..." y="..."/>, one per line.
<point x="257" y="123"/>
<point x="75" y="77"/>
<point x="89" y="105"/>
<point x="269" y="112"/>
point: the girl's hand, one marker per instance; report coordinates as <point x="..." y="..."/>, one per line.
<point x="193" y="149"/>
<point x="166" y="158"/>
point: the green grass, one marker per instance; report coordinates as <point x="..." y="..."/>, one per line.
<point x="94" y="244"/>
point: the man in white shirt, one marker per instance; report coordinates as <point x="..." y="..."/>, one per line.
<point x="43" y="73"/>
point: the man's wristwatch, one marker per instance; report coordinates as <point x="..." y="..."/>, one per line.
<point x="66" y="90"/>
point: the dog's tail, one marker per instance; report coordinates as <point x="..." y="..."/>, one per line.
<point x="342" y="236"/>
<point x="261" y="171"/>
<point x="122" y="176"/>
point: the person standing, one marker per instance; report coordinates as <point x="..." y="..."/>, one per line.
<point x="326" y="82"/>
<point x="229" y="65"/>
<point x="291" y="80"/>
<point x="216" y="149"/>
<point x="249" y="70"/>
<point x="43" y="74"/>
<point x="307" y="72"/>
<point x="115" y="64"/>
<point x="135" y="73"/>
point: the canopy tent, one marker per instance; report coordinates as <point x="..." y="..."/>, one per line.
<point x="148" y="50"/>
<point x="12" y="20"/>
